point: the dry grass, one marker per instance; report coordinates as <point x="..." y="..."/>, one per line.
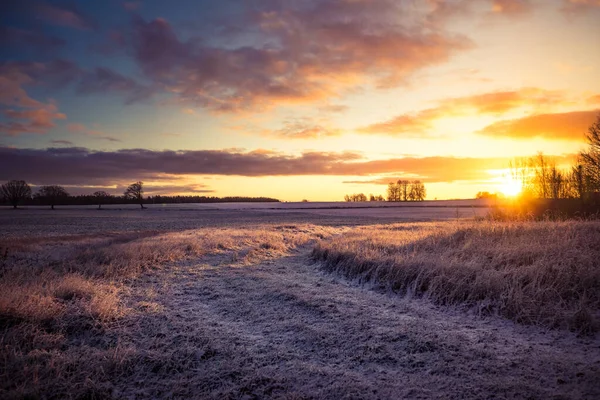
<point x="544" y="273"/>
<point x="60" y="298"/>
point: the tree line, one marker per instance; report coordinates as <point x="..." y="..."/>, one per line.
<point x="362" y="197"/>
<point x="402" y="190"/>
<point x="540" y="177"/>
<point x="18" y="192"/>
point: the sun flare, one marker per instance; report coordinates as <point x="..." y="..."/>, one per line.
<point x="511" y="188"/>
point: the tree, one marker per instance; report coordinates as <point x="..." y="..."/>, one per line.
<point x="52" y="194"/>
<point x="403" y="188"/>
<point x="393" y="192"/>
<point x="135" y="191"/>
<point x="486" y="195"/>
<point x="101" y="197"/>
<point x="15" y="192"/>
<point x="417" y="191"/>
<point x="590" y="159"/>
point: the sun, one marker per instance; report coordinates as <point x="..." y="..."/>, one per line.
<point x="511" y="187"/>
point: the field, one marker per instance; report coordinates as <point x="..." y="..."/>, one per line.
<point x="297" y="300"/>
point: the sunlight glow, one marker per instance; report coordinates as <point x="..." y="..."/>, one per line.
<point x="511" y="187"/>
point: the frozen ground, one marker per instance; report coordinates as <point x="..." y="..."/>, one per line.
<point x="69" y="220"/>
<point x="217" y="326"/>
<point x="284" y="329"/>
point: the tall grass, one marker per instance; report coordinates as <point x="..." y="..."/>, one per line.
<point x="544" y="273"/>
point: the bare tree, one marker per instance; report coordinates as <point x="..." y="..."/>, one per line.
<point x="417" y="191"/>
<point x="393" y="192"/>
<point x="15" y="192"/>
<point x="135" y="191"/>
<point x="101" y="197"/>
<point x="590" y="159"/>
<point x="403" y="187"/>
<point x="52" y="194"/>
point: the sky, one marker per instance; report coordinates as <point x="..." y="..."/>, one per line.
<point x="293" y="100"/>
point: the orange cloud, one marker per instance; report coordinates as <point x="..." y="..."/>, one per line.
<point x="577" y="6"/>
<point x="594" y="99"/>
<point x="315" y="52"/>
<point x="511" y="7"/>
<point x="302" y="128"/>
<point x="38" y="120"/>
<point x="567" y="126"/>
<point x="419" y="123"/>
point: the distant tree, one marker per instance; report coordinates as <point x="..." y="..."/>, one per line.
<point x="486" y="195"/>
<point x="393" y="192"/>
<point x="403" y="188"/>
<point x="15" y="191"/>
<point x="135" y="191"/>
<point x="52" y="194"/>
<point x="101" y="197"/>
<point x="355" y="197"/>
<point x="371" y="197"/>
<point x="379" y="198"/>
<point x="590" y="158"/>
<point x="417" y="191"/>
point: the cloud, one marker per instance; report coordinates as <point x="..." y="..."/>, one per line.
<point x="22" y="39"/>
<point x="309" y="51"/>
<point x="511" y="7"/>
<point x="28" y="115"/>
<point x="571" y="7"/>
<point x="567" y="126"/>
<point x="65" y="15"/>
<point x="62" y="142"/>
<point x="132" y="5"/>
<point x="420" y="123"/>
<point x="38" y="120"/>
<point x="97" y="134"/>
<point x="594" y="99"/>
<point x="302" y="128"/>
<point x="105" y="80"/>
<point x="153" y="190"/>
<point x="334" y="108"/>
<point x="80" y="166"/>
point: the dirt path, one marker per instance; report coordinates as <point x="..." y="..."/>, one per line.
<point x="283" y="328"/>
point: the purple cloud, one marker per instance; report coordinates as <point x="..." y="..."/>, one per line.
<point x="312" y="52"/>
<point x="80" y="166"/>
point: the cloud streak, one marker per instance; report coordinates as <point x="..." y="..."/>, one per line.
<point x="566" y="126"/>
<point x="80" y="166"/>
<point x="420" y="124"/>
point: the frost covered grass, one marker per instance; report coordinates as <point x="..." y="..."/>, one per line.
<point x="545" y="273"/>
<point x="61" y="297"/>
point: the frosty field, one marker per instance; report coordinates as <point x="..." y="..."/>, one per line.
<point x="296" y="301"/>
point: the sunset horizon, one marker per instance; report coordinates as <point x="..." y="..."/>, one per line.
<point x="310" y="101"/>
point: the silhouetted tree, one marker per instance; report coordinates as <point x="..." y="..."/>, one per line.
<point x="590" y="158"/>
<point x="52" y="194"/>
<point x="486" y="195"/>
<point x="393" y="192"/>
<point x="355" y="197"/>
<point x="577" y="180"/>
<point x="15" y="191"/>
<point x="417" y="191"/>
<point x="136" y="191"/>
<point x="403" y="189"/>
<point x="101" y="197"/>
